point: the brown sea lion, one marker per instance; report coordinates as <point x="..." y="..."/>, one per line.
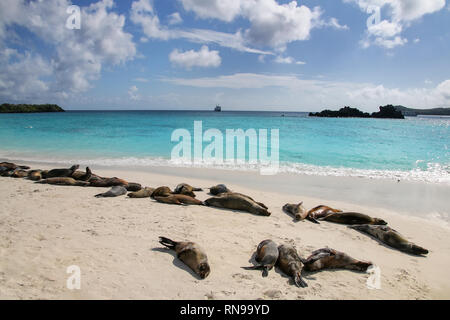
<point x="63" y="181"/>
<point x="179" y="199"/>
<point x="82" y="176"/>
<point x="242" y="195"/>
<point x="352" y="218"/>
<point x="218" y="189"/>
<point x="186" y="189"/>
<point x="321" y="211"/>
<point x="266" y="256"/>
<point x="106" y="182"/>
<point x="133" y="186"/>
<point x="54" y="173"/>
<point x="237" y="202"/>
<point x="298" y="211"/>
<point x="113" y="192"/>
<point x="331" y="259"/>
<point x="161" y="192"/>
<point x="143" y="193"/>
<point x="8" y="165"/>
<point x="19" y="174"/>
<point x="291" y="264"/>
<point x="191" y="254"/>
<point x="390" y="237"/>
<point x="35" y="175"/>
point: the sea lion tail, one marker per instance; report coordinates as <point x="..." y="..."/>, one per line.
<point x="312" y="220"/>
<point x="418" y="250"/>
<point x="299" y="282"/>
<point x="265" y="269"/>
<point x="167" y="242"/>
<point x="100" y="195"/>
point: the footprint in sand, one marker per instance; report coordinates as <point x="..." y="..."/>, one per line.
<point x="274" y="294"/>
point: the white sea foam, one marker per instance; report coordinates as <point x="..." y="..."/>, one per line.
<point x="434" y="173"/>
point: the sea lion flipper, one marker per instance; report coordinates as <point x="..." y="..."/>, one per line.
<point x="167" y="242"/>
<point x="299" y="282"/>
<point x="312" y="219"/>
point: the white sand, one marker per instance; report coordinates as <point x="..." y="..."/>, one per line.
<point x="44" y="229"/>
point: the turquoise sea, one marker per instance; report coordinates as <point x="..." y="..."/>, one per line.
<point x="415" y="148"/>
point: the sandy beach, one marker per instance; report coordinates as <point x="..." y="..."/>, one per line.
<point x="44" y="229"/>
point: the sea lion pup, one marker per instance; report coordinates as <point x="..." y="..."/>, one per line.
<point x="298" y="211"/>
<point x="291" y="264"/>
<point x="19" y="174"/>
<point x="133" y="186"/>
<point x="35" y="175"/>
<point x="191" y="254"/>
<point x="161" y="192"/>
<point x="266" y="256"/>
<point x="113" y="192"/>
<point x="82" y="176"/>
<point x="237" y="202"/>
<point x="352" y="218"/>
<point x="143" y="193"/>
<point x="179" y="199"/>
<point x="186" y="189"/>
<point x="63" y="181"/>
<point x="106" y="182"/>
<point x="54" y="173"/>
<point x="331" y="259"/>
<point x="218" y="189"/>
<point x="390" y="237"/>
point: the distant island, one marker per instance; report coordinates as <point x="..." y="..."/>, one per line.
<point x="423" y="112"/>
<point x="29" y="108"/>
<point x="386" y="112"/>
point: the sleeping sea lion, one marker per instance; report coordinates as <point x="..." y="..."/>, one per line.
<point x="352" y="218"/>
<point x="321" y="211"/>
<point x="266" y="256"/>
<point x="35" y="175"/>
<point x="106" y="182"/>
<point x="191" y="254"/>
<point x="178" y="199"/>
<point x="54" y="173"/>
<point x="63" y="181"/>
<point x="291" y="264"/>
<point x="390" y="237"/>
<point x="161" y="192"/>
<point x="298" y="211"/>
<point x="82" y="176"/>
<point x="331" y="259"/>
<point x="186" y="189"/>
<point x="133" y="186"/>
<point x="8" y="165"/>
<point x="218" y="189"/>
<point x="237" y="202"/>
<point x="18" y="173"/>
<point x="143" y="193"/>
<point x="113" y="192"/>
<point x="242" y="195"/>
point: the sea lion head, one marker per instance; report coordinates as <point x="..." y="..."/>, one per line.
<point x="379" y="222"/>
<point x="203" y="270"/>
<point x="75" y="167"/>
<point x="418" y="250"/>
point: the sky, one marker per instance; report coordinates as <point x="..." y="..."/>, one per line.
<point x="242" y="54"/>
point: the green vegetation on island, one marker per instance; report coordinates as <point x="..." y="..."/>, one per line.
<point x="386" y="112"/>
<point x="423" y="112"/>
<point x="29" y="108"/>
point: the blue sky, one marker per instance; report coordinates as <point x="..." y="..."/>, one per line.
<point x="243" y="54"/>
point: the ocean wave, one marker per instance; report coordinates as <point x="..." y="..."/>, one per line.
<point x="434" y="172"/>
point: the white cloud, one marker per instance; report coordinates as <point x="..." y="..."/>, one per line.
<point x="401" y="14"/>
<point x="174" y="18"/>
<point x="79" y="55"/>
<point x="287" y="60"/>
<point x="141" y="80"/>
<point x="225" y="10"/>
<point x="202" y="58"/>
<point x="133" y="93"/>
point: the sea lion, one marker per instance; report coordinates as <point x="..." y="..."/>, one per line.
<point x="218" y="189"/>
<point x="54" y="173"/>
<point x="352" y="218"/>
<point x="161" y="192"/>
<point x="186" y="189"/>
<point x="143" y="193"/>
<point x="82" y="176"/>
<point x="19" y="174"/>
<point x="390" y="237"/>
<point x="242" y="195"/>
<point x="35" y="175"/>
<point x="321" y="211"/>
<point x="3" y="169"/>
<point x="7" y="173"/>
<point x="106" y="182"/>
<point x="133" y="186"/>
<point x="191" y="254"/>
<point x="266" y="256"/>
<point x="298" y="211"/>
<point x="113" y="192"/>
<point x="237" y="202"/>
<point x="291" y="264"/>
<point x="331" y="259"/>
<point x="63" y="181"/>
<point x="179" y="199"/>
<point x="8" y="165"/>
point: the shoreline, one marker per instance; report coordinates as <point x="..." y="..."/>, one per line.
<point x="114" y="241"/>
